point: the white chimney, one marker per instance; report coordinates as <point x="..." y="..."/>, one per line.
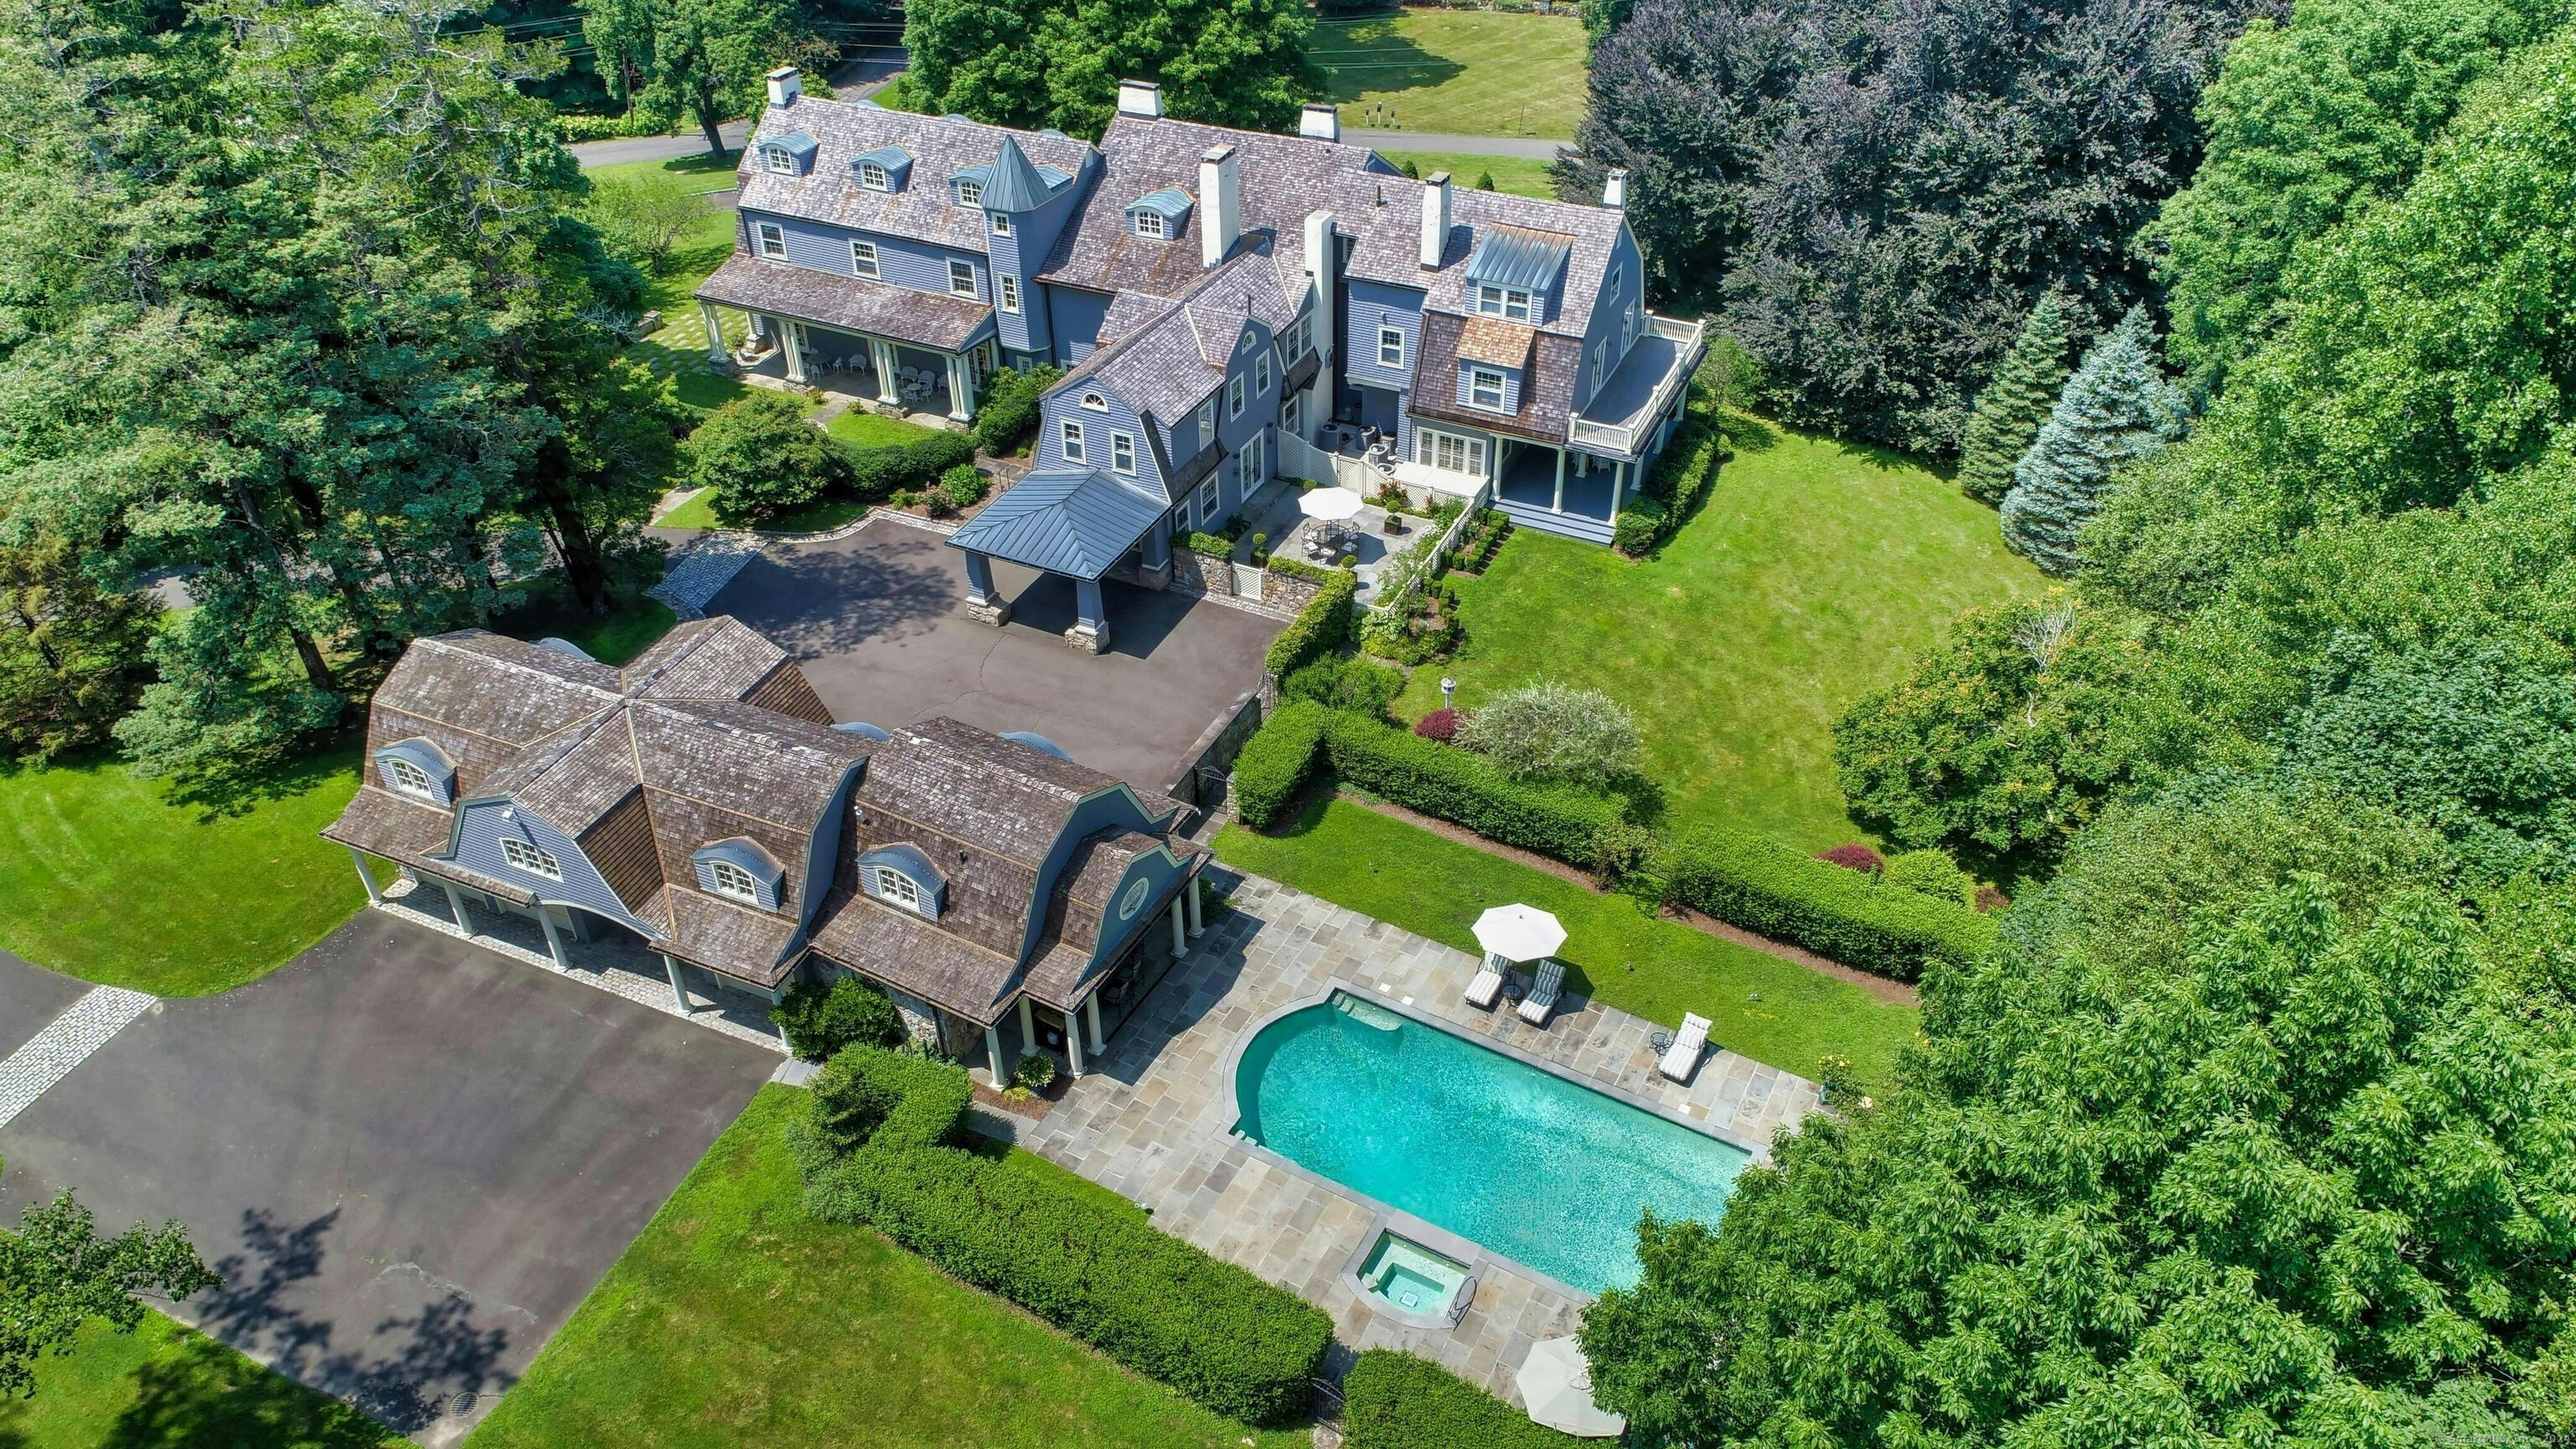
<point x="785" y="86"/>
<point x="1435" y="218"/>
<point x="1323" y="259"/>
<point x="1319" y="122"/>
<point x="1140" y="98"/>
<point x="1220" y="204"/>
<point x="1614" y="188"/>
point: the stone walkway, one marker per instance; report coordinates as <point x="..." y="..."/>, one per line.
<point x="66" y="1042"/>
<point x="702" y="568"/>
<point x="1153" y="1122"/>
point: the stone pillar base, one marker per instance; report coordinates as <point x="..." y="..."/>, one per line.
<point x="1153" y="577"/>
<point x="1089" y="641"/>
<point x="995" y="612"/>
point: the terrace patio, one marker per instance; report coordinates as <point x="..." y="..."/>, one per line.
<point x="1153" y="1120"/>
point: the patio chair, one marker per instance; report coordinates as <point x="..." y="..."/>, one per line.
<point x="1488" y="983"/>
<point x="1543" y="992"/>
<point x="1683" y="1056"/>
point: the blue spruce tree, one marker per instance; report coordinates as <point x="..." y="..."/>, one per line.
<point x="2119" y="407"/>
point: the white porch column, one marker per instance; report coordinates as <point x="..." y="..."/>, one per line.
<point x="679" y="993"/>
<point x="456" y="904"/>
<point x="1073" y="1044"/>
<point x="961" y="388"/>
<point x="1180" y="935"/>
<point x="366" y="877"/>
<point x="554" y="943"/>
<point x="993" y="1055"/>
<point x="778" y="997"/>
<point x="1618" y="480"/>
<point x="882" y="352"/>
<point x="1091" y="1018"/>
<point x="791" y="336"/>
<point x="1557" y="504"/>
<point x="715" y="332"/>
<point x="1192" y="891"/>
<point x="1028" y="1028"/>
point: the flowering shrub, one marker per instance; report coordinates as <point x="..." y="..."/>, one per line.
<point x="1440" y="724"/>
<point x="1854" y="857"/>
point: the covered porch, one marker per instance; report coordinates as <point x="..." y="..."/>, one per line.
<point x="1077" y="525"/>
<point x="907" y="350"/>
<point x="1077" y="1033"/>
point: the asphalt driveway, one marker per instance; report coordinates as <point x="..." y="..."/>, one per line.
<point x="30" y="998"/>
<point x="409" y="1158"/>
<point x="878" y="621"/>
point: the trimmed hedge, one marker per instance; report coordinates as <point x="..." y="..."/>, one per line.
<point x="1462" y="786"/>
<point x="1393" y="1400"/>
<point x="1275" y="762"/>
<point x="878" y="472"/>
<point x="1008" y="414"/>
<point x="1321" y="627"/>
<point x="1763" y="885"/>
<point x="1220" y="1335"/>
<point x="1213" y="545"/>
<point x="1680" y="476"/>
<point x="821" y="1018"/>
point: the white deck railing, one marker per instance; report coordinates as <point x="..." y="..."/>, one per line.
<point x="1622" y="437"/>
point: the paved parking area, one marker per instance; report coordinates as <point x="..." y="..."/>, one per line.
<point x="878" y="621"/>
<point x="30" y="998"/>
<point x="409" y="1158"/>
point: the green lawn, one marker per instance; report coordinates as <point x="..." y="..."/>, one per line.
<point x="863" y="429"/>
<point x="1766" y="1008"/>
<point x="735" y="1319"/>
<point x="1518" y="175"/>
<point x="1465" y="72"/>
<point x="857" y="427"/>
<point x="169" y="1387"/>
<point x="1814" y="572"/>
<point x="679" y="349"/>
<point x="614" y="638"/>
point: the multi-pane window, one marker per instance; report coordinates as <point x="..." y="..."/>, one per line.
<point x="1207" y="420"/>
<point x="1150" y="224"/>
<point x="1600" y="362"/>
<point x="534" y="859"/>
<point x="1234" y="397"/>
<point x="970" y="193"/>
<point x="1261" y="373"/>
<point x="1292" y="343"/>
<point x="961" y="278"/>
<point x="1390" y="347"/>
<point x="893" y="885"/>
<point x="1207" y="502"/>
<point x="779" y="161"/>
<point x="1072" y="434"/>
<point x="1010" y="293"/>
<point x="1507" y="302"/>
<point x="875" y="177"/>
<point x="1449" y="452"/>
<point x="1288" y="413"/>
<point x="1122" y="452"/>
<point x="409" y="778"/>
<point x="863" y="259"/>
<point x="1485" y="387"/>
<point x="1001" y="223"/>
<point x="773" y="240"/>
<point x="1096" y="402"/>
<point x="730" y="879"/>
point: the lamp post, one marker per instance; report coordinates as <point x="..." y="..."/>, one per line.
<point x="1448" y="692"/>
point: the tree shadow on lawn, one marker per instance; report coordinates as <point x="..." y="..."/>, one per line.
<point x="1378" y="59"/>
<point x="199" y="1394"/>
<point x="235" y="792"/>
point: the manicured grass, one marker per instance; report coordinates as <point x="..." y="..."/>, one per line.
<point x="819" y="516"/>
<point x="105" y="876"/>
<point x="678" y="350"/>
<point x="735" y="1319"/>
<point x="1815" y="571"/>
<point x="169" y="1387"/>
<point x="863" y="429"/>
<point x="1518" y="175"/>
<point x="1764" y="1007"/>
<point x="1465" y="72"/>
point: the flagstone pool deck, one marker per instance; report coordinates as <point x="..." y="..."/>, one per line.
<point x="1153" y="1119"/>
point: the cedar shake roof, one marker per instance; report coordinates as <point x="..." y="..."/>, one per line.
<point x="1490" y="339"/>
<point x="1547" y="390"/>
<point x="1175" y="355"/>
<point x="939" y="146"/>
<point x="810" y="294"/>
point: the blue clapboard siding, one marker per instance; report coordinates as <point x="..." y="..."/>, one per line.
<point x="1020" y="254"/>
<point x="823" y="855"/>
<point x="921" y="266"/>
<point x="1115" y="808"/>
<point x="1065" y="404"/>
<point x="1076" y="315"/>
<point x="1605" y="324"/>
<point x="1372" y="305"/>
<point x="1160" y="872"/>
<point x="1511" y="386"/>
<point x="478" y="848"/>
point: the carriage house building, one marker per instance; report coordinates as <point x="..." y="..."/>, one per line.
<point x="1224" y="301"/>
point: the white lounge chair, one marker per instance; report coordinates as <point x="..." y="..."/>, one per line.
<point x="1542" y="992"/>
<point x="1488" y="983"/>
<point x="1682" y="1057"/>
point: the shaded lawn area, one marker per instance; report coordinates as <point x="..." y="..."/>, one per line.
<point x="1517" y="175"/>
<point x="169" y="1387"/>
<point x="1815" y="571"/>
<point x="856" y="427"/>
<point x="1466" y="72"/>
<point x="630" y="626"/>
<point x="678" y="350"/>
<point x="735" y="1319"/>
<point x="1772" y="1010"/>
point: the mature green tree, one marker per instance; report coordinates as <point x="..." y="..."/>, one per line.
<point x="71" y="652"/>
<point x="2310" y="119"/>
<point x="2117" y="409"/>
<point x="57" y="1274"/>
<point x="1058" y="62"/>
<point x="2005" y="739"/>
<point x="702" y="59"/>
<point x="760" y="457"/>
<point x="2015" y="406"/>
<point x="2304" y="1180"/>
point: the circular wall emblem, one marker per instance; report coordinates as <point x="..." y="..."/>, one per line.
<point x="1132" y="902"/>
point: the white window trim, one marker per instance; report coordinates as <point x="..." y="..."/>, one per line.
<point x="1390" y="340"/>
<point x="777" y="160"/>
<point x="1010" y="290"/>
<point x="1234" y="396"/>
<point x="1152" y="225"/>
<point x="1261" y="373"/>
<point x="729" y="879"/>
<point x="970" y="193"/>
<point x="1069" y="435"/>
<point x="875" y="177"/>
<point x="767" y="234"/>
<point x="1095" y="402"/>
<point x="1256" y="462"/>
<point x="1122" y="452"/>
<point x="1427" y="443"/>
<point x="1207" y="420"/>
<point x="534" y="859"/>
<point x="1288" y="412"/>
<point x="954" y="290"/>
<point x="1208" y="500"/>
<point x="409" y="777"/>
<point x="1001" y="222"/>
<point x="895" y="888"/>
<point x="863" y="259"/>
<point x="1476" y="377"/>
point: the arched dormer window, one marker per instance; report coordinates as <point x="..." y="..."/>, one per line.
<point x="904" y="878"/>
<point x="738" y="870"/>
<point x="1095" y="402"/>
<point x="417" y="770"/>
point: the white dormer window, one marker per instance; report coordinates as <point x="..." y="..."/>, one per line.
<point x="863" y="259"/>
<point x="732" y="880"/>
<point x="1001" y="223"/>
<point x="874" y="177"/>
<point x="409" y="778"/>
<point x="1122" y="452"/>
<point x="1151" y="224"/>
<point x="1292" y="343"/>
<point x="1095" y="402"/>
<point x="1610" y="288"/>
<point x="779" y="161"/>
<point x="534" y="859"/>
<point x="896" y="888"/>
<point x="1010" y="293"/>
<point x="1234" y="397"/>
<point x="1072" y="436"/>
<point x="1485" y="387"/>
<point x="961" y="278"/>
<point x="1261" y="373"/>
<point x="970" y="193"/>
<point x="1207" y="420"/>
<point x="773" y="239"/>
<point x="1390" y="347"/>
<point x="1510" y="303"/>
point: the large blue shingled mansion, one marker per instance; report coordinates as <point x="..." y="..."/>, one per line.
<point x="1226" y="301"/>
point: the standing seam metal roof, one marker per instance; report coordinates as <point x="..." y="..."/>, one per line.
<point x="1077" y="524"/>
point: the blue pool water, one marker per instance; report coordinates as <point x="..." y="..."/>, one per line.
<point x="1522" y="1161"/>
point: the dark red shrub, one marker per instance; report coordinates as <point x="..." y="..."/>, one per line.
<point x="1991" y="900"/>
<point x="1440" y="724"/>
<point x="1854" y="856"/>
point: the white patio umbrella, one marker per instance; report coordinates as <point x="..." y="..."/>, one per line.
<point x="1519" y="933"/>
<point x="1556" y="1384"/>
<point x="1329" y="503"/>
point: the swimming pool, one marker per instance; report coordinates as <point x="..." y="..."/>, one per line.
<point x="1524" y="1162"/>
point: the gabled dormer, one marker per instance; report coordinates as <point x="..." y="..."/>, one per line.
<point x="789" y="155"/>
<point x="1514" y="273"/>
<point x="887" y="169"/>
